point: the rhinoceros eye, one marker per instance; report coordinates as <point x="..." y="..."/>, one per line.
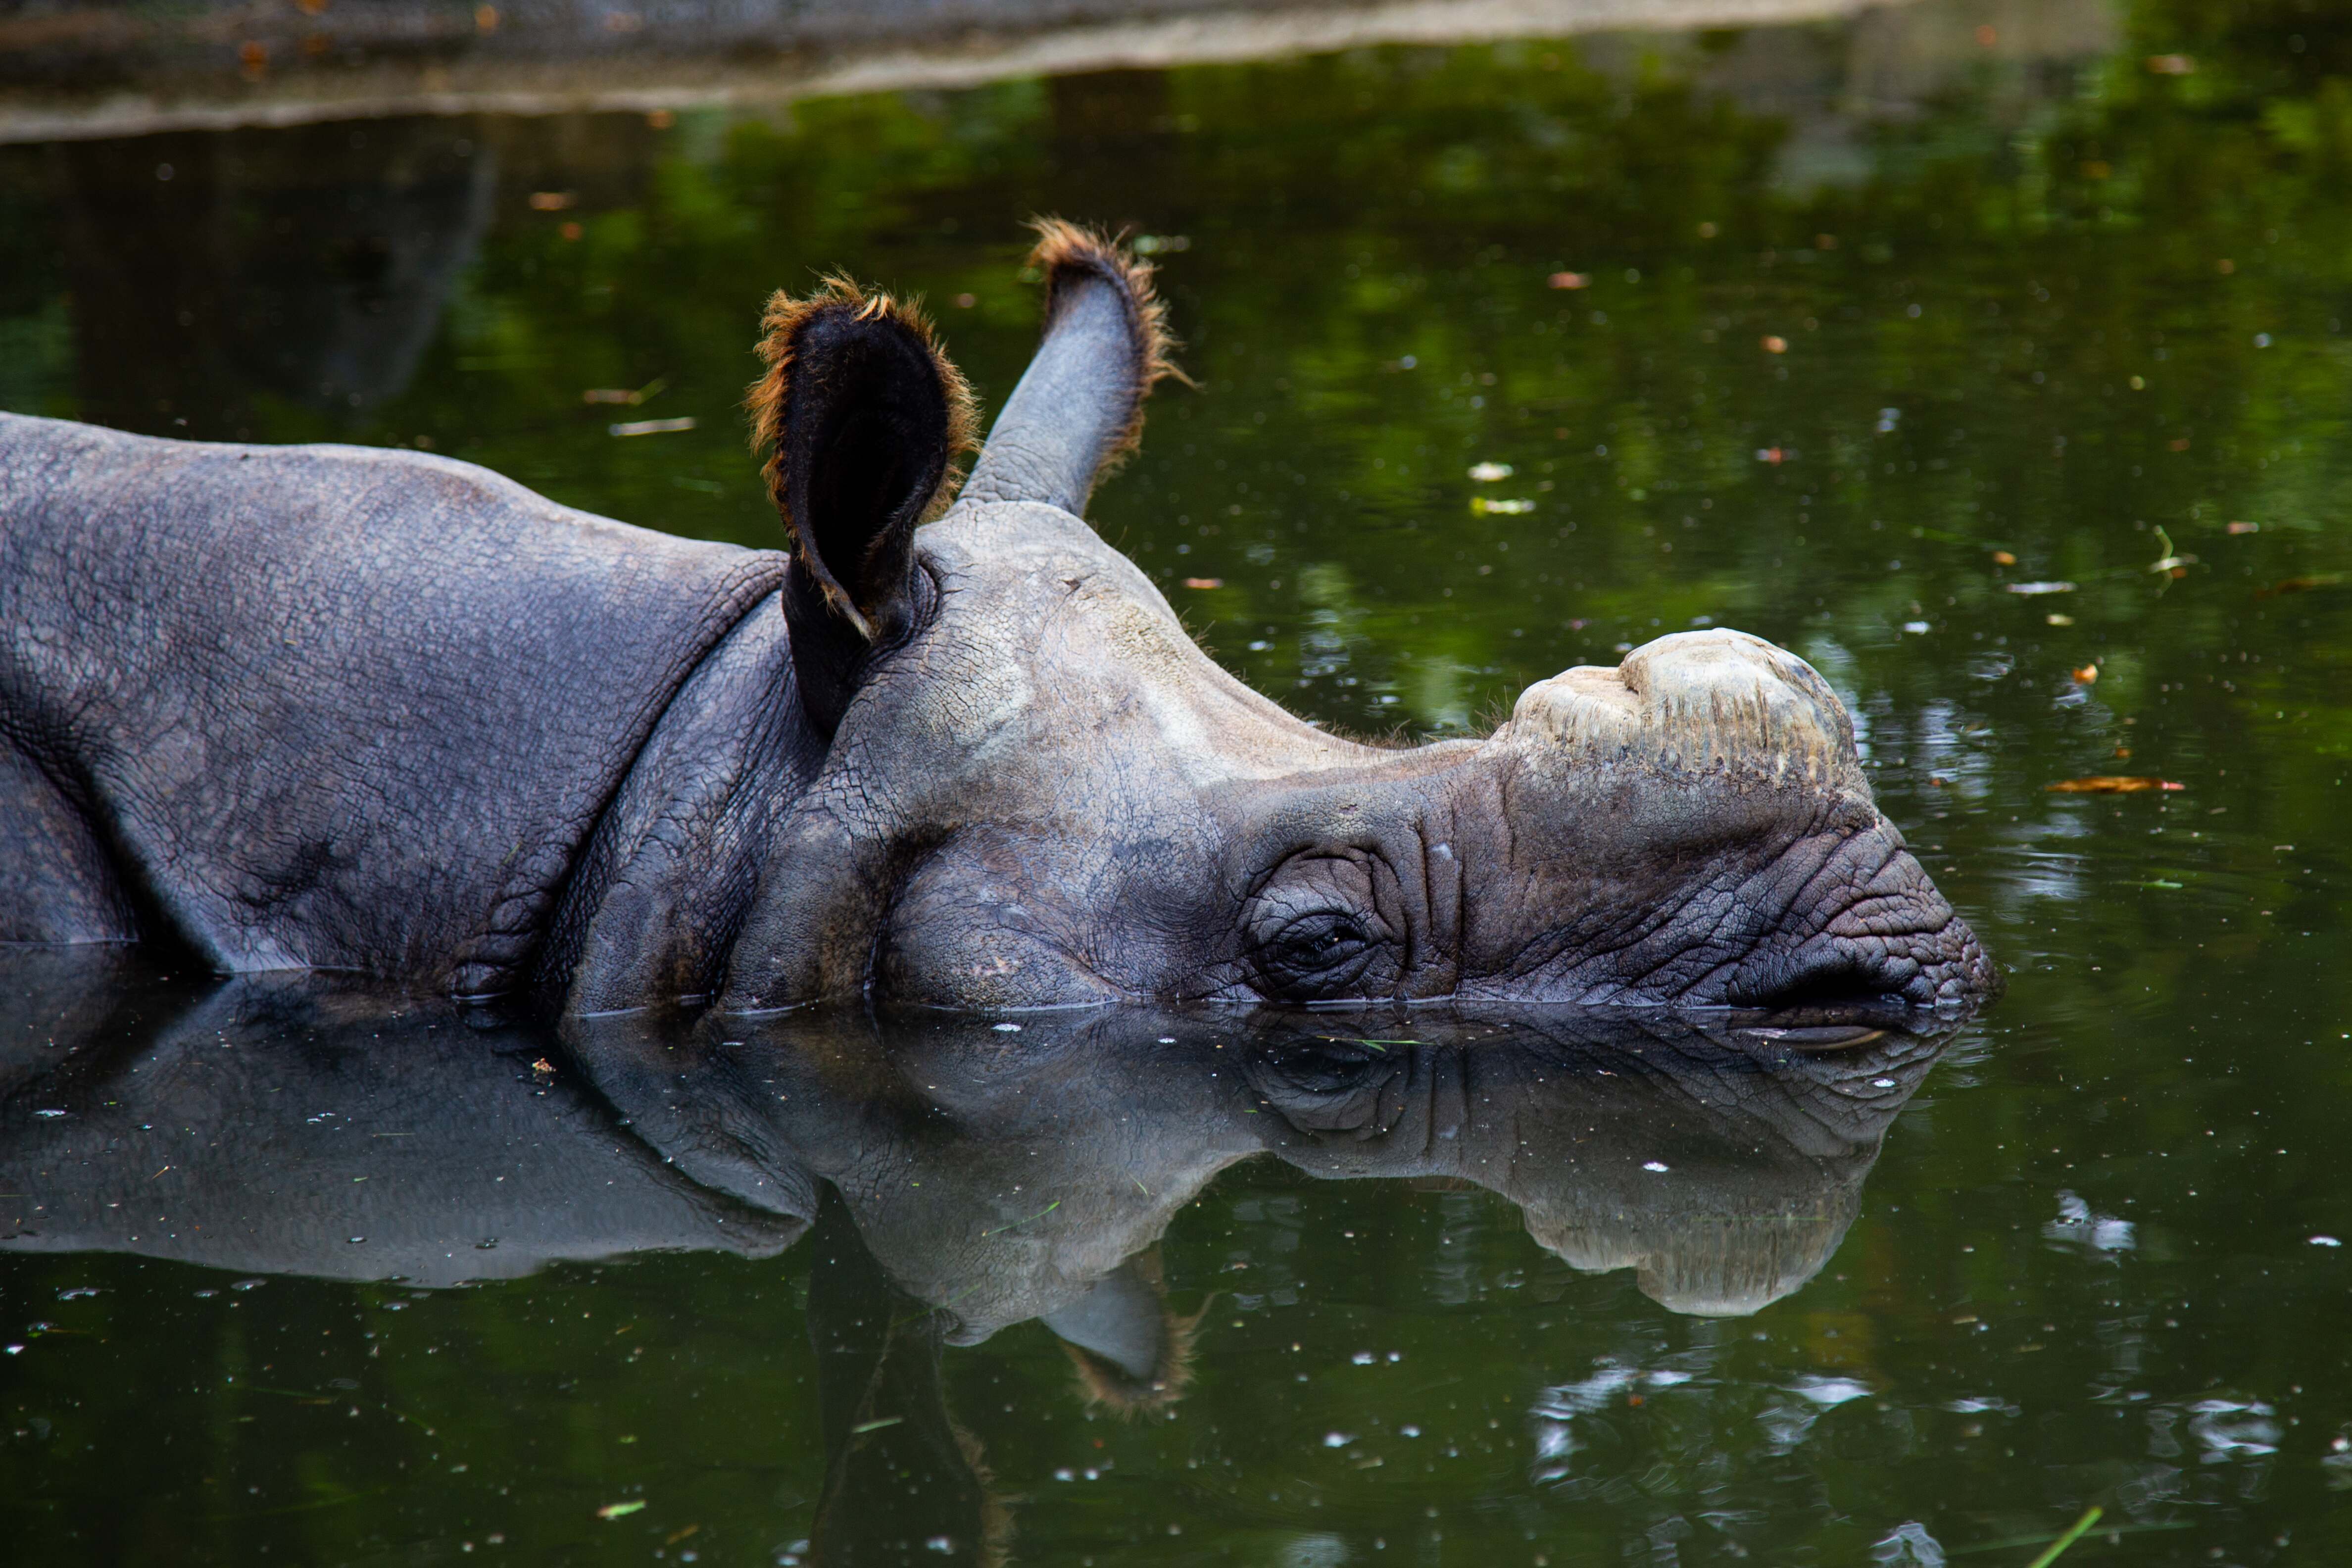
<point x="1313" y="932"/>
<point x="1320" y="943"/>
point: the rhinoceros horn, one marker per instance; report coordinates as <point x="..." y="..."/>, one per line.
<point x="1716" y="704"/>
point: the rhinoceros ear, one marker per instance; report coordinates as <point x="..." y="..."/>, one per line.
<point x="1079" y="409"/>
<point x="860" y="418"/>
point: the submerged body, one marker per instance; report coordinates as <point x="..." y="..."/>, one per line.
<point x="339" y="707"/>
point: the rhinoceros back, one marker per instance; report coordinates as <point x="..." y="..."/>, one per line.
<point x="320" y="705"/>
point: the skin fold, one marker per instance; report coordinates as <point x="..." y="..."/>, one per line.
<point x="332" y="708"/>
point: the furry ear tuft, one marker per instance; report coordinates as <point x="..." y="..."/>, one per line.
<point x="1066" y="252"/>
<point x="856" y="380"/>
<point x="1105" y="1384"/>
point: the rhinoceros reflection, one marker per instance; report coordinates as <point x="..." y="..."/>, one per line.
<point x="959" y="1175"/>
<point x="1005" y="1175"/>
<point x="293" y="1127"/>
<point x="1000" y="1174"/>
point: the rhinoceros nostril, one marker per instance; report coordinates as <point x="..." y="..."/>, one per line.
<point x="1831" y="981"/>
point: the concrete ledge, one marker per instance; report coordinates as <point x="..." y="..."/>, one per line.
<point x="219" y="66"/>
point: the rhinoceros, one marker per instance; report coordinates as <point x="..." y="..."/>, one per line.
<point x="339" y="707"/>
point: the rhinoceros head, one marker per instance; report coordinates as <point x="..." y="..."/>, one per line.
<point x="1038" y="791"/>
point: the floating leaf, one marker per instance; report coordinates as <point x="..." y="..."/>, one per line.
<point x="1773" y="344"/>
<point x="2086" y="676"/>
<point x="1567" y="280"/>
<point x="2300" y="584"/>
<point x="1204" y="581"/>
<point x="620" y="1509"/>
<point x="2111" y="784"/>
<point x="2003" y="558"/>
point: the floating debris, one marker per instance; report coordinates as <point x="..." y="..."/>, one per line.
<point x="2300" y="584"/>
<point x="2086" y="676"/>
<point x="2172" y="560"/>
<point x="1568" y="280"/>
<point x="1500" y="507"/>
<point x="2245" y="528"/>
<point x="2054" y="620"/>
<point x="2003" y="558"/>
<point x="2081" y="1527"/>
<point x="620" y="1509"/>
<point x="1160" y="244"/>
<point x="2033" y="588"/>
<point x="2112" y="784"/>
<point x="1772" y="343"/>
<point x="552" y="201"/>
<point x="1488" y="473"/>
<point x="1204" y="581"/>
<point x="2170" y="64"/>
<point x="624" y="394"/>
<point x="650" y="427"/>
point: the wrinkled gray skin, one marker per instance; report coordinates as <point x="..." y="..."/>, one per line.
<point x="336" y="708"/>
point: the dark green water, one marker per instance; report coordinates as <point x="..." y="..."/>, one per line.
<point x="2039" y="301"/>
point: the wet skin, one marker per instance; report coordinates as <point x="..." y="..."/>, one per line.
<point x="324" y="708"/>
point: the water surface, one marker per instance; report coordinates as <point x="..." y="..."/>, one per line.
<point x="1871" y="326"/>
